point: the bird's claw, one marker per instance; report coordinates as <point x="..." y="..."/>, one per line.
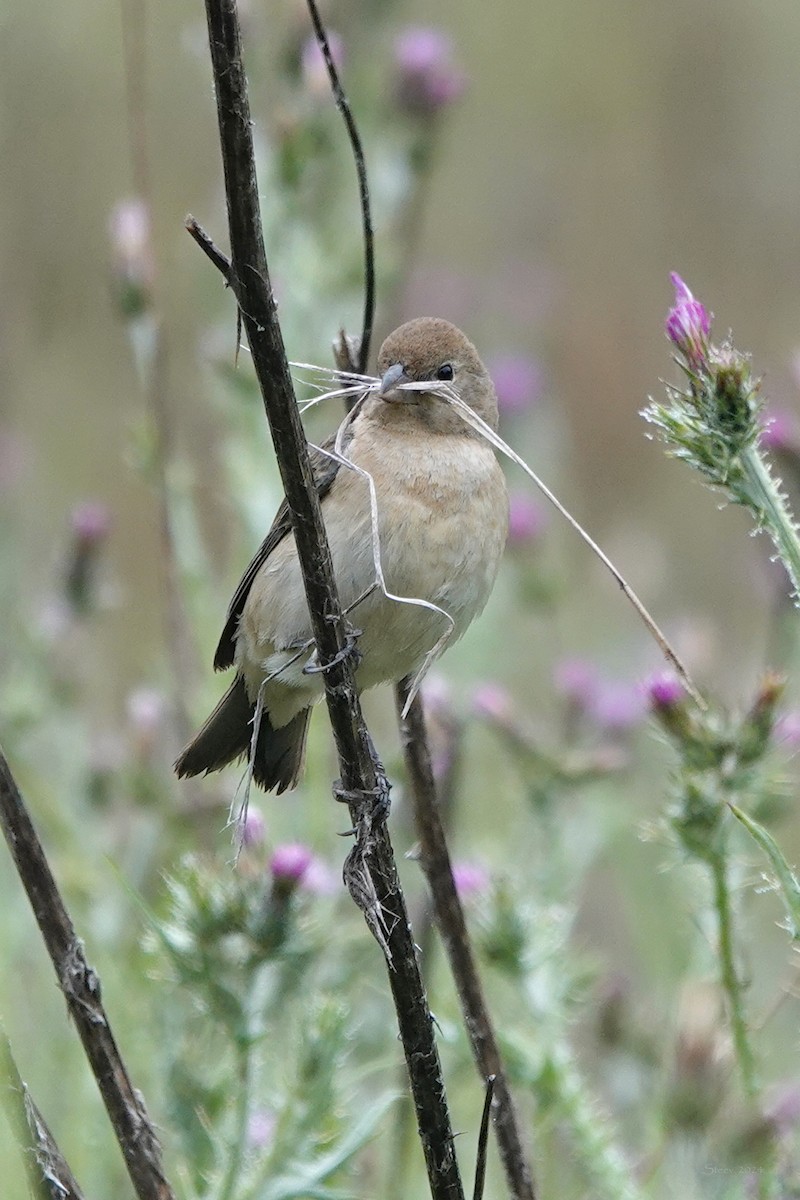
<point x="378" y="798"/>
<point x="349" y="648"/>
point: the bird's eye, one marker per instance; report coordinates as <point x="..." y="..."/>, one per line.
<point x="445" y="371"/>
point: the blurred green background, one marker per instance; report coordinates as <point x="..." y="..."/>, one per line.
<point x="597" y="148"/>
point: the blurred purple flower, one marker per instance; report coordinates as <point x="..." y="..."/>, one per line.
<point x="90" y="522"/>
<point x="688" y="325"/>
<point x="577" y="681"/>
<point x="427" y="79"/>
<point x="664" y="690"/>
<point x="787" y="728"/>
<point x="261" y="1128"/>
<point x="526" y="520"/>
<point x="471" y="879"/>
<point x="320" y="879"/>
<point x="779" y="430"/>
<point x="147" y="709"/>
<point x="313" y="69"/>
<point x="783" y="1107"/>
<point x="255" y="828"/>
<point x="290" y="862"/>
<point x="492" y="702"/>
<point x="616" y="705"/>
<point x="518" y="382"/>
<point x="441" y="763"/>
<point x="132" y="255"/>
<point x="437" y="695"/>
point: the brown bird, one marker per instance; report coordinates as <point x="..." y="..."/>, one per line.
<point x="442" y="517"/>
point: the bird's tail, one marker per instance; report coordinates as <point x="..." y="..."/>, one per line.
<point x="226" y="735"/>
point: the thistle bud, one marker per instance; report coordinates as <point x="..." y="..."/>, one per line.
<point x="427" y="79"/>
<point x="688" y="325"/>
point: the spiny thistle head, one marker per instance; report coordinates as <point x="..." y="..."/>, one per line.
<point x="716" y="419"/>
<point x="716" y="425"/>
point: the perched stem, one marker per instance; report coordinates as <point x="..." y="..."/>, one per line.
<point x="452" y="925"/>
<point x="730" y="976"/>
<point x="424" y="929"/>
<point x="370" y="870"/>
<point x="81" y="987"/>
<point x="48" y="1173"/>
<point x="774" y="513"/>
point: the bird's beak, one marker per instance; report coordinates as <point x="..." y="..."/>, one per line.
<point x="394" y="376"/>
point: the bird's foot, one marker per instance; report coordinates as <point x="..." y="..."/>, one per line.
<point x="348" y="650"/>
<point x="373" y="803"/>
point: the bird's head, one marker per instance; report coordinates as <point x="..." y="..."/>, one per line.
<point x="431" y="351"/>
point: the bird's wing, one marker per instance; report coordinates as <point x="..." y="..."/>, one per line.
<point x="324" y="470"/>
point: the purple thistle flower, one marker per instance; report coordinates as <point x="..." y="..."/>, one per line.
<point x="664" y="690"/>
<point x="290" y="862"/>
<point x="688" y="325"/>
<point x="518" y="382"/>
<point x="427" y="78"/>
<point x="526" y="520"/>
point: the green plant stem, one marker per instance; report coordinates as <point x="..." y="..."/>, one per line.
<point x="603" y="1164"/>
<point x="730" y="978"/>
<point x="232" y="1181"/>
<point x="773" y="512"/>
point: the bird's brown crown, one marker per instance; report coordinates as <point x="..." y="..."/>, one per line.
<point x="425" y="348"/>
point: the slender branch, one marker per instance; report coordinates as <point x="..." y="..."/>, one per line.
<point x="213" y="252"/>
<point x="483" y="1140"/>
<point x="435" y="860"/>
<point x="370" y="870"/>
<point x="49" y="1176"/>
<point x="363" y="187"/>
<point x="81" y="987"/>
<point x="423" y="924"/>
